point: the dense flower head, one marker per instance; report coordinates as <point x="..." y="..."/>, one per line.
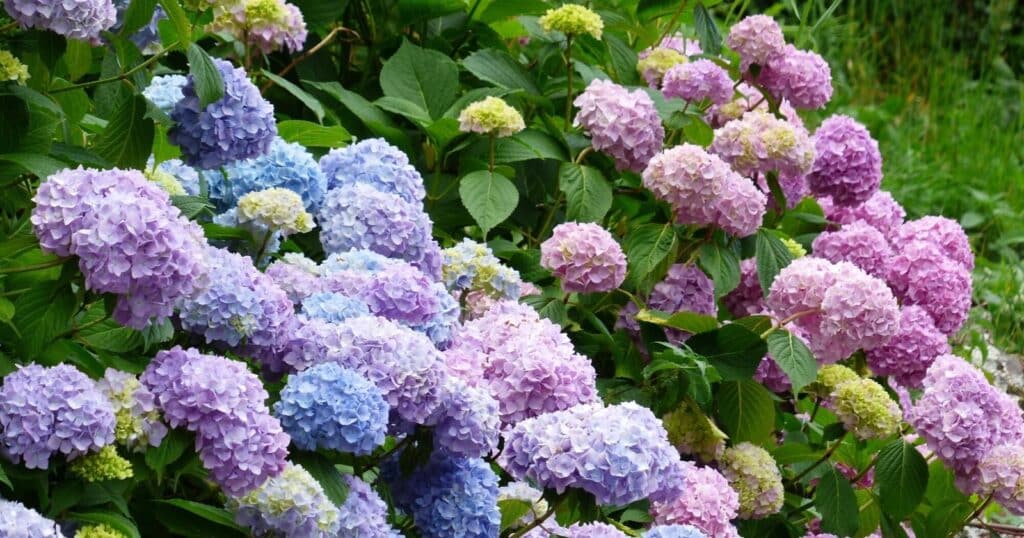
<point x="1001" y="473"/>
<point x="585" y="257"/>
<point x="526" y="363"/>
<point x="442" y="327"/>
<point x="468" y="423"/>
<point x="796" y="250"/>
<point x="297" y="275"/>
<point x="747" y="299"/>
<point x="239" y="303"/>
<point x="327" y="406"/>
<point x="166" y="181"/>
<point x="267" y="24"/>
<point x="698" y="80"/>
<point x="523" y="491"/>
<point x="674" y="531"/>
<point x="472" y="266"/>
<point x="401" y="292"/>
<point x="866" y="410"/>
<point x="277" y="209"/>
<point x="962" y="417"/>
<point x="56" y="410"/>
<point x="572" y="19"/>
<point x="771" y="375"/>
<point x="708" y="502"/>
<point x="138" y="422"/>
<point x="333" y="307"/>
<point x="702" y="189"/>
<point x="847" y="162"/>
<point x="27" y="522"/>
<point x="11" y="68"/>
<point x="238" y="126"/>
<point x="656" y="61"/>
<point x="99" y="531"/>
<point x="685" y="288"/>
<point x="450" y="496"/>
<point x="831" y="376"/>
<point x="618" y="453"/>
<point x="921" y="274"/>
<point x="74" y="19"/>
<point x="621" y="123"/>
<point x="881" y="211"/>
<point x="188" y="177"/>
<point x="106" y="464"/>
<point x="358" y="216"/>
<point x="376" y="163"/>
<point x="747" y="99"/>
<point x="753" y="473"/>
<point x="363" y="514"/>
<point x="759" y="142"/>
<point x="858" y="243"/>
<point x="801" y="286"/>
<point x="285" y="165"/>
<point x="945" y="233"/>
<point x="491" y="116"/>
<point x="911" y="350"/>
<point x="291" y="504"/>
<point x="165" y="91"/>
<point x="693" y="433"/>
<point x="801" y="77"/>
<point x="757" y="39"/>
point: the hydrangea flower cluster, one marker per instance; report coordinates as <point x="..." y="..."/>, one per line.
<point x="276" y="209"/>
<point x="472" y="266"/>
<point x="1001" y="473"/>
<point x="400" y="292"/>
<point x="291" y="504"/>
<point x="881" y="210"/>
<point x="522" y="491"/>
<point x="165" y="91"/>
<point x="166" y="181"/>
<point x="757" y="39"/>
<point x="333" y="307"/>
<point x="106" y="464"/>
<point x="911" y="350"/>
<point x="11" y="69"/>
<point x="920" y="274"/>
<point x="674" y="531"/>
<point x="858" y="243"/>
<point x="99" y="531"/>
<point x="363" y="514"/>
<point x="56" y="410"/>
<point x="491" y="116"/>
<point x="450" y="496"/>
<point x="330" y="407"/>
<point x="753" y="473"/>
<point x="654" y="61"/>
<point x="28" y="522"/>
<point x="281" y="165"/>
<point x="138" y="423"/>
<point x="268" y="25"/>
<point x="847" y="162"/>
<point x="188" y="177"/>
<point x="621" y="123"/>
<point x="238" y="126"/>
<point x="297" y="275"/>
<point x="866" y="410"/>
<point x="74" y="19"/>
<point x="831" y="376"/>
<point x="684" y="289"/>
<point x="238" y="440"/>
<point x="468" y="423"/>
<point x="698" y="80"/>
<point x="758" y="142"/>
<point x="747" y="299"/>
<point x="376" y="163"/>
<point x="572" y="19"/>
<point x="702" y="189"/>
<point x="585" y="257"/>
<point x="708" y="503"/>
<point x="944" y="233"/>
<point x="693" y="433"/>
<point x="802" y="77"/>
<point x="128" y="237"/>
<point x="618" y="453"/>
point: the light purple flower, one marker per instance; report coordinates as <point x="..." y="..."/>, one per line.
<point x="621" y="123"/>
<point x="21" y="520"/>
<point x="847" y="162"/>
<point x="922" y="274"/>
<point x="468" y="423"/>
<point x="801" y="77"/>
<point x="1001" y="473"/>
<point x="858" y="243"/>
<point x="165" y="91"/>
<point x="759" y="142"/>
<point x="708" y="502"/>
<point x="292" y="504"/>
<point x="74" y="19"/>
<point x="698" y="80"/>
<point x="942" y="232"/>
<point x="364" y="514"/>
<point x="881" y="211"/>
<point x="376" y="163"/>
<point x="757" y="39"/>
<point x="297" y="275"/>
<point x="585" y="257"/>
<point x="747" y="299"/>
<point x="911" y="350"/>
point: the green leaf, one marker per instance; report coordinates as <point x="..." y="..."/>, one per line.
<point x="311" y="135"/>
<point x="698" y="131"/>
<point x="792" y="355"/>
<point x="173" y="446"/>
<point x="947" y="518"/>
<point x="326" y="473"/>
<point x="118" y="522"/>
<point x="3" y="478"/>
<point x="108" y="335"/>
<point x="791" y="453"/>
<point x="512" y="510"/>
<point x="870" y="513"/>
<point x="690" y="322"/>
<point x="588" y="196"/>
<point x="302" y="95"/>
<point x="745" y="410"/>
<point x="646" y="246"/>
<point x="372" y="117"/>
<point x="217" y="231"/>
<point x="191" y="206"/>
<point x="407" y="109"/>
<point x="424" y="77"/>
<point x="42" y="313"/>
<point x="6" y="310"/>
<point x="128" y="138"/>
<point x="756" y="324"/>
<point x="33" y="163"/>
<point x="138" y="14"/>
<point x="78" y="58"/>
<point x="527" y="145"/>
<point x="902" y="478"/>
<point x="772" y="256"/>
<point x="180" y="21"/>
<point x="836" y="502"/>
<point x="723" y="266"/>
<point x="501" y="69"/>
<point x="733" y="350"/>
<point x="209" y="83"/>
<point x="212" y="514"/>
<point x="490" y="198"/>
<point x="707" y="30"/>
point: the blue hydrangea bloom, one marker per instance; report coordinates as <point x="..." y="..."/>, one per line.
<point x="674" y="531"/>
<point x="285" y="165"/>
<point x="238" y="126"/>
<point x="148" y="34"/>
<point x="364" y="514"/>
<point x="450" y="496"/>
<point x="331" y="407"/>
<point x="292" y="505"/>
<point x="333" y="307"/>
<point x="441" y="327"/>
<point x="472" y="266"/>
<point x="375" y="163"/>
<point x="359" y="216"/>
<point x="20" y="520"/>
<point x="185" y="174"/>
<point x="355" y="260"/>
<point x="469" y="424"/>
<point x="165" y="91"/>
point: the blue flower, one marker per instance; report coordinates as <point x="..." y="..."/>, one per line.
<point x="165" y="91"/>
<point x="285" y="165"/>
<point x="674" y="531"/>
<point x="25" y="521"/>
<point x="186" y="175"/>
<point x="333" y="307"/>
<point x="375" y="163"/>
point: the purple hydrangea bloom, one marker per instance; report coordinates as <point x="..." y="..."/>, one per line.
<point x="20" y="520"/>
<point x="330" y="407"/>
<point x="468" y="424"/>
<point x="652" y="72"/>
<point x="585" y="257"/>
<point x="285" y="28"/>
<point x="238" y="440"/>
<point x="363" y="513"/>
<point x="708" y="502"/>
<point x="947" y="234"/>
<point x="360" y="260"/>
<point x="376" y="163"/>
<point x="801" y="77"/>
<point x="759" y="142"/>
<point x="1001" y="473"/>
<point x="748" y="297"/>
<point x="74" y="19"/>
<point x="57" y="410"/>
<point x="847" y="162"/>
<point x="702" y="189"/>
<point x="450" y="496"/>
<point x="684" y="289"/>
<point x="139" y="424"/>
<point x="238" y="126"/>
<point x="772" y="376"/>
<point x="674" y="531"/>
<point x="333" y="307"/>
<point x="858" y="243"/>
<point x="962" y="417"/>
<point x="526" y="363"/>
<point x="757" y="39"/>
<point x="284" y="165"/>
<point x="165" y="91"/>
<point x="698" y="80"/>
<point x="621" y="123"/>
<point x="292" y="505"/>
<point x="618" y="453"/>
<point x="921" y="274"/>
<point x="442" y="326"/>
<point x="401" y="292"/>
<point x="881" y="211"/>
<point x="911" y="350"/>
<point x="297" y="275"/>
<point x="359" y="216"/>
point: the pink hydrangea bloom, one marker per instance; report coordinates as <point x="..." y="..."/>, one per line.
<point x="698" y="80"/>
<point x="911" y="351"/>
<point x="707" y="502"/>
<point x="759" y="142"/>
<point x="620" y="122"/>
<point x="585" y="257"/>
<point x="858" y="243"/>
<point x="881" y="211"/>
<point x="1001" y="473"/>
<point x="847" y="162"/>
<point x="942" y="232"/>
<point x="757" y="39"/>
<point x="921" y="274"/>
<point x="748" y="298"/>
<point x="801" y="77"/>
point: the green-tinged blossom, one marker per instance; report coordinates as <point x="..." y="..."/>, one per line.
<point x="693" y="433"/>
<point x="11" y="68"/>
<point x="491" y="116"/>
<point x="572" y="19"/>
<point x="99" y="531"/>
<point x="755" y="476"/>
<point x="106" y="464"/>
<point x="866" y="409"/>
<point x="166" y="181"/>
<point x="796" y="250"/>
<point x="830" y="377"/>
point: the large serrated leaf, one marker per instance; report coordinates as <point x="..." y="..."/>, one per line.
<point x="128" y="138"/>
<point x="745" y="410"/>
<point x="902" y="478"/>
<point x="209" y="85"/>
<point x="588" y="196"/>
<point x="424" y="77"/>
<point x="489" y="197"/>
<point x="501" y="69"/>
<point x="772" y="257"/>
<point x="835" y="500"/>
<point x="793" y="356"/>
<point x="647" y="246"/>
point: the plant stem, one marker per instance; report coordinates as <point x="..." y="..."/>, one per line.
<point x="34" y="267"/>
<point x="786" y="321"/>
<point x="568" y="81"/>
<point x="490" y="161"/>
<point x="304" y="56"/>
<point x="824" y="457"/>
<point x="672" y="22"/>
<point x="537" y="522"/>
<point x="8" y="26"/>
<point x="977" y="511"/>
<point x="550" y="219"/>
<point x="583" y="153"/>
<point x="263" y="246"/>
<point x="998" y="528"/>
<point x="152" y="59"/>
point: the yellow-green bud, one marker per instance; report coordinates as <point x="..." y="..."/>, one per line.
<point x="658" y="62"/>
<point x="277" y="208"/>
<point x="166" y="181"/>
<point x="99" y="531"/>
<point x="106" y="464"/>
<point x="830" y="377"/>
<point x="866" y="409"/>
<point x="491" y="116"/>
<point x="572" y="19"/>
<point x="693" y="433"/>
<point x="753" y="473"/>
<point x="796" y="250"/>
<point x="11" y="68"/>
<point x="265" y="12"/>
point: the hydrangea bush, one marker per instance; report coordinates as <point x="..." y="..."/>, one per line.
<point x="481" y="269"/>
